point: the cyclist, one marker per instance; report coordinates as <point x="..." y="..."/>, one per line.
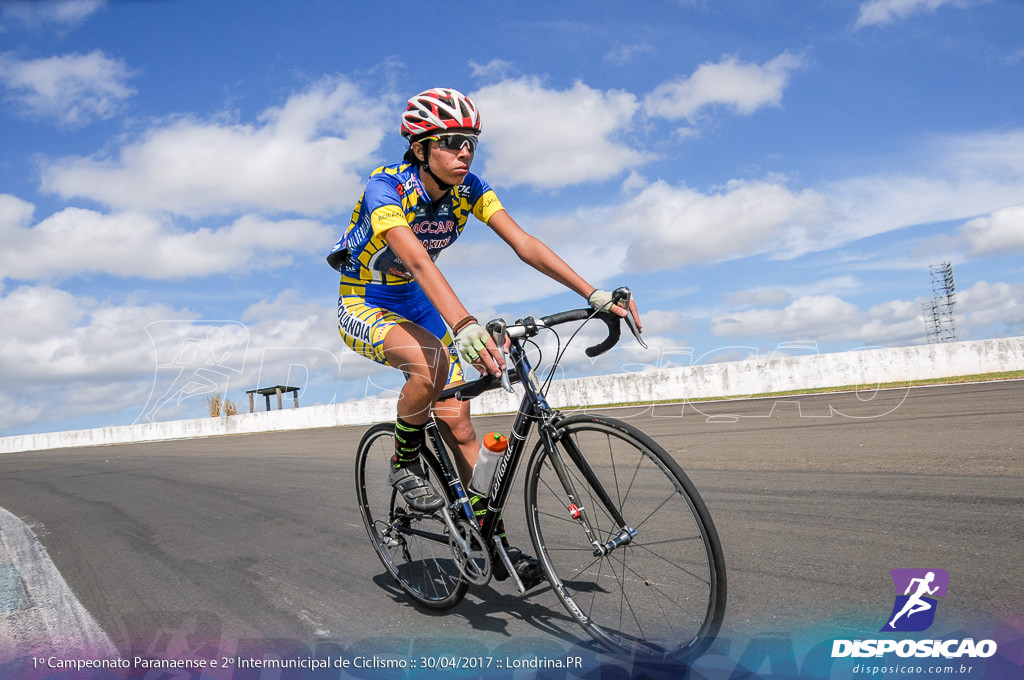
<point x="396" y="307"/>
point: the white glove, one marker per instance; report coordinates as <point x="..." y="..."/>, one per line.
<point x="601" y="300"/>
<point x="470" y="341"/>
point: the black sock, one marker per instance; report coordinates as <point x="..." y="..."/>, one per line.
<point x="408" y="440"/>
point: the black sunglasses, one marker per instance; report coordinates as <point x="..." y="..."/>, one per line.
<point x="456" y="141"/>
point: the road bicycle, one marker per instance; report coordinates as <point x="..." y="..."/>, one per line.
<point x="623" y="536"/>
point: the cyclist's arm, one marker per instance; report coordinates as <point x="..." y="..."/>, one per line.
<point x="538" y="255"/>
<point x="414" y="256"/>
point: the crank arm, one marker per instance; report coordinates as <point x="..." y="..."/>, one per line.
<point x="503" y="556"/>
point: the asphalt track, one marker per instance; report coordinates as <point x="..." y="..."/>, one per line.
<point x="252" y="543"/>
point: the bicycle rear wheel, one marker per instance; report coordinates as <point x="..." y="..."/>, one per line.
<point x="413" y="546"/>
<point x="660" y="594"/>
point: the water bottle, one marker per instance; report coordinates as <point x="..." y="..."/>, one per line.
<point x="493" y="448"/>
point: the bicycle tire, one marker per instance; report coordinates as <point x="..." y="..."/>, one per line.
<point x="412" y="546"/>
<point x="662" y="595"/>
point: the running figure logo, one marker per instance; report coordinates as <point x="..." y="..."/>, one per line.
<point x="916" y="590"/>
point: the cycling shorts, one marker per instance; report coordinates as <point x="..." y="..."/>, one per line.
<point x="366" y="313"/>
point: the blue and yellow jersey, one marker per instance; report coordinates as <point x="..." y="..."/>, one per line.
<point x="394" y="196"/>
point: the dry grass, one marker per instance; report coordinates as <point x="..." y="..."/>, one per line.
<point x="221" y="407"/>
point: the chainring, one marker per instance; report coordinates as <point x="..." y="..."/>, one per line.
<point x="475" y="559"/>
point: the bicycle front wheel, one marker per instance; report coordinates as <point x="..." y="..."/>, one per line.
<point x="413" y="546"/>
<point x="649" y="577"/>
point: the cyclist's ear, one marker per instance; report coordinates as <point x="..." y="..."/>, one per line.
<point x="417" y="152"/>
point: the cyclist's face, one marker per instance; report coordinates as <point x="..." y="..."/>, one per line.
<point x="449" y="162"/>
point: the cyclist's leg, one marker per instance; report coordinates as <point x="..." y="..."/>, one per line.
<point x="421" y="357"/>
<point x="456" y="428"/>
<point x="452" y="415"/>
<point x="370" y="326"/>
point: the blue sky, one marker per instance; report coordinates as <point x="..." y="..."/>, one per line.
<point x="767" y="177"/>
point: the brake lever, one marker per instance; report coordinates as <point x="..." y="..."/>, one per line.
<point x="624" y="295"/>
<point x="496" y="329"/>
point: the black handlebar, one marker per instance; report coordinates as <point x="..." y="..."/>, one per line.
<point x="610" y="320"/>
<point x="614" y="333"/>
<point x="529" y="327"/>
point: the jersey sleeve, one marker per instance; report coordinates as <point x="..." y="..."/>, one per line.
<point x="487" y="205"/>
<point x="384" y="204"/>
<point x="485" y="202"/>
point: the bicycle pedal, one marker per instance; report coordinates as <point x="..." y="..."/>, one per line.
<point x="524" y="569"/>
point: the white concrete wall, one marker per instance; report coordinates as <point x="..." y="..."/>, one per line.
<point x="771" y="374"/>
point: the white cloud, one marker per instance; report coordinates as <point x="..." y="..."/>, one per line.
<point x="623" y="54"/>
<point x="999" y="306"/>
<point x="826" y="318"/>
<point x="74" y="89"/>
<point x="495" y="69"/>
<point x="1000" y="232"/>
<point x="14" y="212"/>
<point x="657" y="321"/>
<point x="668" y="226"/>
<point x="662" y="226"/>
<point x="758" y="296"/>
<point x="958" y="178"/>
<point x="60" y="12"/>
<point x="65" y="356"/>
<point x="289" y="321"/>
<point x="308" y="156"/>
<point x="54" y="337"/>
<point x="742" y="87"/>
<point x="282" y="341"/>
<point x="1014" y="57"/>
<point x="815" y="316"/>
<point x="554" y="138"/>
<point x="782" y="294"/>
<point x="983" y="310"/>
<point x="76" y="241"/>
<point x="882" y="12"/>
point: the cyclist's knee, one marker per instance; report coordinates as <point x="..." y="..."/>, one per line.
<point x="421" y="388"/>
<point x="418" y="354"/>
<point x="459" y="423"/>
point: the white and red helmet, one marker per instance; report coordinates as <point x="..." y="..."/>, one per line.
<point x="439" y="109"/>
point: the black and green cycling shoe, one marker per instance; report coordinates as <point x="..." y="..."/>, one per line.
<point x="411" y="481"/>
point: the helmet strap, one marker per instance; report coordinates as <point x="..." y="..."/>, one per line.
<point x="425" y="164"/>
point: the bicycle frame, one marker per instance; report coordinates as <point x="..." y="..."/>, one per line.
<point x="533" y="407"/>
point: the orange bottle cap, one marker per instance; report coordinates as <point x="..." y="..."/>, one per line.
<point x="495" y="441"/>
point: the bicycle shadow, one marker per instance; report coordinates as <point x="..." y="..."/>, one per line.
<point x="490" y="611"/>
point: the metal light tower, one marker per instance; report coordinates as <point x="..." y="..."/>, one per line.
<point x="938" y="314"/>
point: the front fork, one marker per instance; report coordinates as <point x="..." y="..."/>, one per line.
<point x="538" y="407"/>
<point x="575" y="507"/>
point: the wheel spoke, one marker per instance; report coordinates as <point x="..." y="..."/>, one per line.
<point x="661" y="592"/>
<point x="413" y="547"/>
